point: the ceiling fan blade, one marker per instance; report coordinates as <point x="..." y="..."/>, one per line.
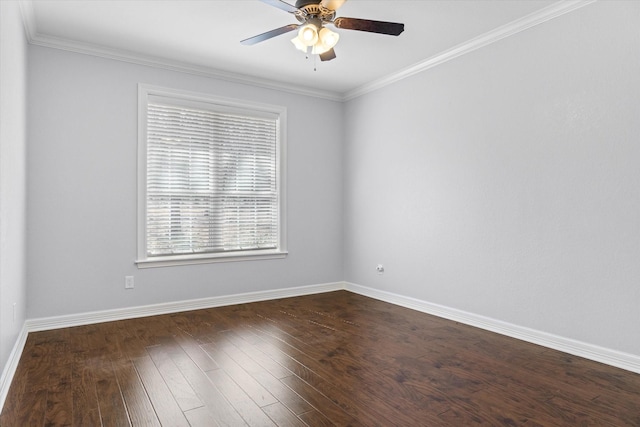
<point x="380" y="27"/>
<point x="269" y="34"/>
<point x="328" y="55"/>
<point x="281" y="5"/>
<point x="332" y="4"/>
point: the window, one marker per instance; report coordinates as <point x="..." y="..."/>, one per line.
<point x="210" y="179"/>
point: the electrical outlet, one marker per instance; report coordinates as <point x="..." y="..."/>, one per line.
<point x="380" y="268"/>
<point x="128" y="282"/>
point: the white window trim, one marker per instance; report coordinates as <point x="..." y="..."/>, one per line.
<point x="143" y="261"/>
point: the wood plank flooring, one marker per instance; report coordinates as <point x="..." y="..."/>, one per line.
<point x="321" y="360"/>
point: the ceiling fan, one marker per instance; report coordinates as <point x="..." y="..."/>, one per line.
<point x="313" y="35"/>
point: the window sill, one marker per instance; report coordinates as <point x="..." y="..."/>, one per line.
<point x="176" y="260"/>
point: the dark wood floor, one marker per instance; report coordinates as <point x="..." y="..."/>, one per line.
<point x="330" y="359"/>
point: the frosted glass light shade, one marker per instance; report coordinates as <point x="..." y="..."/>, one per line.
<point x="308" y="35"/>
<point x="299" y="45"/>
<point x="328" y="38"/>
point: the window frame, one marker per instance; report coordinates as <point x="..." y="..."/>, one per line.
<point x="215" y="103"/>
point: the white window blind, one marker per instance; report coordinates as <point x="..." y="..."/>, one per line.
<point x="212" y="179"/>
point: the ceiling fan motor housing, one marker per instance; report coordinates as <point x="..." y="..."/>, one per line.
<point x="310" y="9"/>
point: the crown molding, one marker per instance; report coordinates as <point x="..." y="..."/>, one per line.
<point x="28" y="18"/>
<point x="543" y="15"/>
<point x="35" y="38"/>
<point x="167" y="64"/>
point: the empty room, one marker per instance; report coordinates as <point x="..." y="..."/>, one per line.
<point x="315" y="213"/>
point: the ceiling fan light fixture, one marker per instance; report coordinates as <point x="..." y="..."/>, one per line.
<point x="313" y="37"/>
<point x="308" y="35"/>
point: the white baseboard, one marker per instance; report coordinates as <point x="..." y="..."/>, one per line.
<point x="12" y="364"/>
<point x="629" y="362"/>
<point x="67" y="321"/>
<point x="615" y="358"/>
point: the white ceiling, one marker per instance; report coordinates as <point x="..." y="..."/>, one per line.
<point x="204" y="35"/>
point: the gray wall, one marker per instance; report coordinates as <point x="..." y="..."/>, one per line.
<point x="503" y="183"/>
<point x="82" y="190"/>
<point x="13" y="90"/>
<point x="506" y="182"/>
